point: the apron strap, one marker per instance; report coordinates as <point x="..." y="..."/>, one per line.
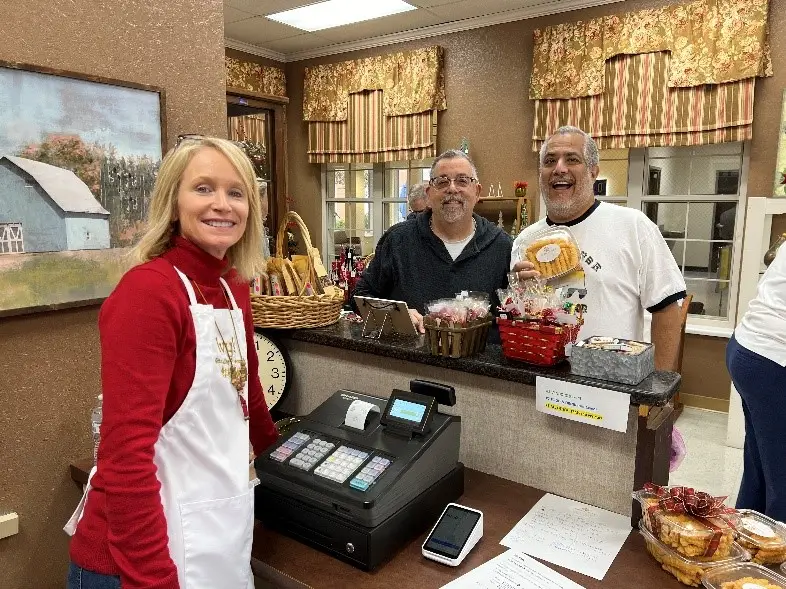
<point x="229" y="293"/>
<point x="189" y="288"/>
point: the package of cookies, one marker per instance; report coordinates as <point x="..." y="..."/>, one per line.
<point x="762" y="536"/>
<point x="554" y="252"/>
<point x="688" y="571"/>
<point x="693" y="523"/>
<point x="743" y="576"/>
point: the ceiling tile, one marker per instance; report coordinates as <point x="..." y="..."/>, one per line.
<point x="299" y="43"/>
<point x="263" y="7"/>
<point x="233" y="15"/>
<point x="470" y="8"/>
<point x="381" y="26"/>
<point x="259" y="31"/>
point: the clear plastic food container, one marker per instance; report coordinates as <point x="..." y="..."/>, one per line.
<point x="684" y="533"/>
<point x="744" y="575"/>
<point x="688" y="571"/>
<point x="762" y="536"/>
<point x="554" y="251"/>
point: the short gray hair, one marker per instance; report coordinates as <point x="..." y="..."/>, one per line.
<point x="591" y="154"/>
<point x="452" y="154"/>
<point x="417" y="192"/>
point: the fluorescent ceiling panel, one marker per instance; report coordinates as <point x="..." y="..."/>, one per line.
<point x="334" y="13"/>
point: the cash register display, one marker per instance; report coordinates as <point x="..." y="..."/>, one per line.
<point x="407" y="410"/>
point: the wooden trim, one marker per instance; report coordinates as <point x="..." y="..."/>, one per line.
<point x="18" y="311"/>
<point x="653" y="450"/>
<point x="702" y="402"/>
<point x="258" y="95"/>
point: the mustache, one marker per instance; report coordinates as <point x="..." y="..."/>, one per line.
<point x="453" y="198"/>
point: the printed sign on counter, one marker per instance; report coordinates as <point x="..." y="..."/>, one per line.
<point x="578" y="402"/>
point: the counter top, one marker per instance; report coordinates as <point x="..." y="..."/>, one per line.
<point x="657" y="389"/>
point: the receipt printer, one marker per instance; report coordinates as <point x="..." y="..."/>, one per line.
<point x="361" y="475"/>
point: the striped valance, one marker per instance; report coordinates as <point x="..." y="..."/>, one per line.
<point x="369" y="136"/>
<point x="637" y="108"/>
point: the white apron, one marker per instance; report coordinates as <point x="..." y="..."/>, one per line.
<point x="202" y="459"/>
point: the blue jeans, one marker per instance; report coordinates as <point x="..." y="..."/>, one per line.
<point x="762" y="386"/>
<point x="79" y="578"/>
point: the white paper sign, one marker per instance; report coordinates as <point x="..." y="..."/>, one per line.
<point x="509" y="570"/>
<point x="578" y="402"/>
<point x="573" y="535"/>
<point x="357" y="412"/>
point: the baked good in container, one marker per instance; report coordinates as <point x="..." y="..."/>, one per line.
<point x="554" y="252"/>
<point x="743" y="575"/>
<point x="762" y="536"/>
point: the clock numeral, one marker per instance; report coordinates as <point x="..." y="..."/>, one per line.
<point x="270" y="355"/>
<point x="271" y="390"/>
<point x="275" y="373"/>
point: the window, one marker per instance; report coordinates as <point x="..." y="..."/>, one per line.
<point x="11" y="241"/>
<point x="361" y="201"/>
<point x="696" y="197"/>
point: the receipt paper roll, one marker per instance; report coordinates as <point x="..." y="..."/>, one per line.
<point x="357" y="412"/>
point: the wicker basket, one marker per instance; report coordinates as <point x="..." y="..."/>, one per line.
<point x="457" y="342"/>
<point x="296" y="311"/>
<point x="534" y="343"/>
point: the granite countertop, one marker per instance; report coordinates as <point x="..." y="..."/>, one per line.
<point x="657" y="389"/>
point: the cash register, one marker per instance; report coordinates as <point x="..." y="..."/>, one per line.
<point x="362" y="475"/>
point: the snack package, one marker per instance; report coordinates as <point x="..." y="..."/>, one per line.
<point x="743" y="575"/>
<point x="762" y="536"/>
<point x="694" y="524"/>
<point x="688" y="571"/>
<point x="554" y="252"/>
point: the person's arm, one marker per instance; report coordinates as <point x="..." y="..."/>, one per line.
<point x="666" y="330"/>
<point x="262" y="430"/>
<point x="141" y="330"/>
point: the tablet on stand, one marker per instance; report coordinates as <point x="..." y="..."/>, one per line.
<point x="382" y="316"/>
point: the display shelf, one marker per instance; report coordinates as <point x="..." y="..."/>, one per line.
<point x="489" y="207"/>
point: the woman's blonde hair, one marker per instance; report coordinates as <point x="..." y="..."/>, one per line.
<point x="246" y="255"/>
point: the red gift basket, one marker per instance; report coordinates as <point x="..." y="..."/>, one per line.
<point x="536" y="342"/>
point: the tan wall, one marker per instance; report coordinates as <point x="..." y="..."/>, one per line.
<point x="487" y="73"/>
<point x="49" y="363"/>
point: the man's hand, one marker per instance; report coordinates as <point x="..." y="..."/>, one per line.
<point x="417" y="321"/>
<point x="525" y="270"/>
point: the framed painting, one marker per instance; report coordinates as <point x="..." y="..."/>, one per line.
<point x="78" y="159"/>
<point x="779" y="187"/>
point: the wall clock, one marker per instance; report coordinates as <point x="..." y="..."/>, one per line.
<point x="274" y="368"/>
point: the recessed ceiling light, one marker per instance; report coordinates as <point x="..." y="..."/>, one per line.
<point x="334" y="13"/>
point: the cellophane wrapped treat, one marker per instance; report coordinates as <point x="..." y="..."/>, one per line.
<point x="692" y="523"/>
<point x="553" y="251"/>
<point x="459" y="326"/>
<point x="688" y="571"/>
<point x="762" y="536"/>
<point x="744" y="575"/>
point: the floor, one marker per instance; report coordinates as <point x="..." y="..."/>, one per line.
<point x="709" y="464"/>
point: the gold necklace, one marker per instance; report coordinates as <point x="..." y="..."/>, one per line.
<point x="238" y="375"/>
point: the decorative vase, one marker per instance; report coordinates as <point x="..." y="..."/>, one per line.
<point x="521" y="192"/>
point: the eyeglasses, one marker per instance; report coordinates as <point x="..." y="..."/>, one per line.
<point x="442" y="182"/>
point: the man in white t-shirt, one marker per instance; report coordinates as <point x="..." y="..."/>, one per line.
<point x="627" y="267"/>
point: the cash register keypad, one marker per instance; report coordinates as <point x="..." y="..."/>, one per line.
<point x="342" y="463"/>
<point x="311" y="454"/>
<point x="289" y="447"/>
<point x="370" y="473"/>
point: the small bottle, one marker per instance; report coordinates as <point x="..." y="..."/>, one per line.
<point x="770" y="255"/>
<point x="95" y="423"/>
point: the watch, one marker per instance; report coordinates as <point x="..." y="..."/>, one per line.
<point x="274" y="368"/>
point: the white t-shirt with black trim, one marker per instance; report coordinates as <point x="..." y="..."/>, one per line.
<point x="627" y="268"/>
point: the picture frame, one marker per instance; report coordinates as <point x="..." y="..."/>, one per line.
<point x="79" y="156"/>
<point x="779" y="182"/>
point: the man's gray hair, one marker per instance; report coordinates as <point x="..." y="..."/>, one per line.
<point x="452" y="154"/>
<point x="417" y="192"/>
<point x="591" y="154"/>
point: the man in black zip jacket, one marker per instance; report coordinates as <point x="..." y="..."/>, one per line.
<point x="443" y="251"/>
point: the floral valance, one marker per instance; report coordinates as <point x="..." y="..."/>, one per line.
<point x="245" y="75"/>
<point x="411" y="82"/>
<point x="711" y="42"/>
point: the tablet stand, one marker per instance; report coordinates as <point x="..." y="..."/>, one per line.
<point x="375" y="333"/>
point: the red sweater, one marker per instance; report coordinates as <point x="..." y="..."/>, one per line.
<point x="148" y="359"/>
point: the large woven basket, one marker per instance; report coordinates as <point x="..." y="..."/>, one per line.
<point x="296" y="311"/>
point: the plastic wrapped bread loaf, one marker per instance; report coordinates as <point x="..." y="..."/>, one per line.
<point x="554" y="252"/>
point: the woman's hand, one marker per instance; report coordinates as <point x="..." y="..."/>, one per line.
<point x="417" y="321"/>
<point x="525" y="270"/>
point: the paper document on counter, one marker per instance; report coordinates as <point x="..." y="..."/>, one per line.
<point x="510" y="570"/>
<point x="570" y="534"/>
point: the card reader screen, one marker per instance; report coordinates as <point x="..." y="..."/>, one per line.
<point x="452" y="532"/>
<point x="407" y="410"/>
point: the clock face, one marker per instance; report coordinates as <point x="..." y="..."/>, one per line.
<point x="273" y="369"/>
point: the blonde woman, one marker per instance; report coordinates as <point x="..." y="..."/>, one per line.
<point x="170" y="504"/>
